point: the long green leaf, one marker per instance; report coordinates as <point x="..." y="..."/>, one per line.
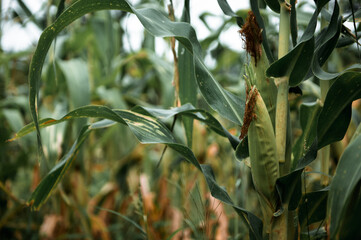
<point x="289" y="186"/>
<point x="332" y="124"/>
<point x="227" y="104"/>
<point x="295" y="64"/>
<point x="193" y="113"/>
<point x="136" y="225"/>
<point x="345" y="183"/>
<point x="298" y="60"/>
<point x="187" y="81"/>
<point x="274" y="5"/>
<point x="313" y="207"/>
<point x="224" y="102"/>
<point x="336" y="112"/>
<point x="77" y="80"/>
<point x="76" y="10"/>
<point x="267" y="49"/>
<point x="147" y="130"/>
<point x="47" y="184"/>
<point x="161" y="114"/>
<point x="326" y="42"/>
<point x="223" y="4"/>
<point x="309" y="113"/>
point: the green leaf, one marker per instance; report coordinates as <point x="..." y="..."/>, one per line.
<point x="47" y="184"/>
<point x="189" y="111"/>
<point x="77" y="80"/>
<point x="136" y="225"/>
<point x="336" y="112"/>
<point x="309" y="113"/>
<point x="293" y="22"/>
<point x="223" y="4"/>
<point x="161" y="114"/>
<point x="14" y="118"/>
<point x="289" y="186"/>
<point x="227" y="104"/>
<point x="313" y="207"/>
<point x="274" y="5"/>
<point x="347" y="39"/>
<point x="224" y="102"/>
<point x="76" y="10"/>
<point x="345" y="187"/>
<point x="267" y="49"/>
<point x="254" y="223"/>
<point x="295" y="64"/>
<point x="61" y="7"/>
<point x="326" y="43"/>
<point x="187" y="81"/>
<point x="82" y="112"/>
<point x="298" y="61"/>
<point x="332" y="124"/>
<point x="242" y="150"/>
<point x="147" y="130"/>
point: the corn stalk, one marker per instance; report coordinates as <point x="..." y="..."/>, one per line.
<point x="267" y="147"/>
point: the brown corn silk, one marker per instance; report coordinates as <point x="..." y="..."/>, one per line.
<point x="252" y="36"/>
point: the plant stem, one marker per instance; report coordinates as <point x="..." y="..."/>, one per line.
<point x="279" y="224"/>
<point x="282" y="95"/>
<point x="279" y="227"/>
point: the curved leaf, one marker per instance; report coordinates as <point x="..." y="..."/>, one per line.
<point x="299" y="59"/>
<point x="77" y="80"/>
<point x="47" y="184"/>
<point x="187" y="81"/>
<point x="295" y="64"/>
<point x="227" y="104"/>
<point x="313" y="207"/>
<point x="336" y="112"/>
<point x="345" y="182"/>
<point x="77" y="9"/>
<point x="147" y="130"/>
<point x="309" y="113"/>
<point x="267" y="49"/>
<point x="289" y="187"/>
<point x="326" y="43"/>
<point x="223" y="4"/>
<point x="136" y="225"/>
<point x="332" y="124"/>
<point x="274" y="5"/>
<point x="193" y="113"/>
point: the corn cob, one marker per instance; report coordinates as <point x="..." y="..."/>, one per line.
<point x="263" y="155"/>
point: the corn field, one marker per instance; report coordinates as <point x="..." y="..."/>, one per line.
<point x="183" y="137"/>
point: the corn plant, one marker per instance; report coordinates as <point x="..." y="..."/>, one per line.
<point x="262" y="113"/>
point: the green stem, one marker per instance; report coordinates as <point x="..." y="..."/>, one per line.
<point x="279" y="227"/>
<point x="282" y="95"/>
<point x="279" y="224"/>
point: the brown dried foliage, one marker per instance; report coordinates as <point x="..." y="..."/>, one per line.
<point x="252" y="35"/>
<point x="249" y="114"/>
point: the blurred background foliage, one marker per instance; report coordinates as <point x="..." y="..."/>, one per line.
<point x="115" y="189"/>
